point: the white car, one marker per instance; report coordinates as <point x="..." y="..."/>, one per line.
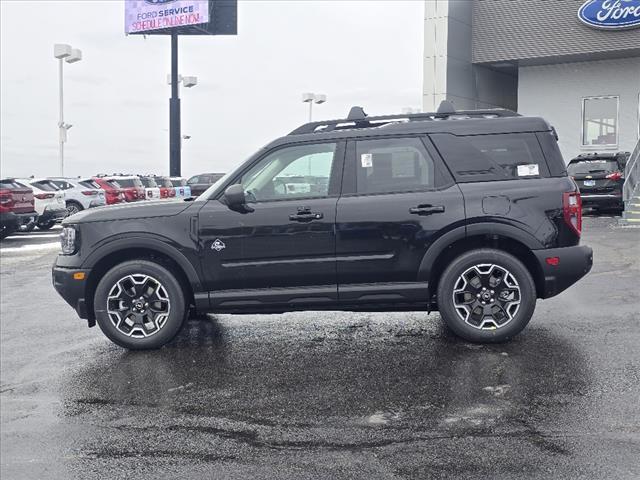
<point x="80" y="194"/>
<point x="180" y="185"/>
<point x="151" y="188"/>
<point x="48" y="200"/>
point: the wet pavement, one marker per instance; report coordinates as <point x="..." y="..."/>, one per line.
<point x="326" y="395"/>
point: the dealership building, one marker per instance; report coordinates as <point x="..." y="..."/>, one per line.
<point x="554" y="59"/>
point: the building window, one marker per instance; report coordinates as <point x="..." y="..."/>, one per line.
<point x="600" y="121"/>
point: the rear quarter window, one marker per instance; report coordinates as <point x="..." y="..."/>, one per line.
<point x="478" y="158"/>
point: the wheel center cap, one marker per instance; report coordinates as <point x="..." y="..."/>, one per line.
<point x="486" y="295"/>
<point x="139" y="305"/>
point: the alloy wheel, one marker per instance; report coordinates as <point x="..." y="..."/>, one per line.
<point x="138" y="305"/>
<point x="486" y="296"/>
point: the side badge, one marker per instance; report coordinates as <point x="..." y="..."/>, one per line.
<point x="218" y="245"/>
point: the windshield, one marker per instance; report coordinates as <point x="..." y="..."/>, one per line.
<point x="592" y="166"/>
<point x="178" y="182"/>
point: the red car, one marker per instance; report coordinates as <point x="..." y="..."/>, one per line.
<point x="16" y="207"/>
<point x="166" y="187"/>
<point x="112" y="190"/>
<point x="131" y="186"/>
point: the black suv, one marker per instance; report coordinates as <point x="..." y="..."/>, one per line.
<point x="600" y="177"/>
<point x="470" y="213"/>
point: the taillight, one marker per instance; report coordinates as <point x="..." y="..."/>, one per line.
<point x="6" y="199"/>
<point x="572" y="210"/>
<point x="614" y="176"/>
<point x="90" y="193"/>
<point x="44" y="196"/>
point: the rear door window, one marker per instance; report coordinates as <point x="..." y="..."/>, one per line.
<point x="393" y="165"/>
<point x="89" y="184"/>
<point x="477" y="158"/>
<point x="46" y="185"/>
<point x="592" y="166"/>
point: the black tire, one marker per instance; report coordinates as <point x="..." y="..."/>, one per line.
<point x="5" y="232"/>
<point x="174" y="293"/>
<point x="46" y="225"/>
<point x="494" y="330"/>
<point x="73" y="207"/>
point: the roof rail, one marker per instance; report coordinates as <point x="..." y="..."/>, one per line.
<point x="358" y="119"/>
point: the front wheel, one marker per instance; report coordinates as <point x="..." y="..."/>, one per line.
<point x="139" y="305"/>
<point x="486" y="296"/>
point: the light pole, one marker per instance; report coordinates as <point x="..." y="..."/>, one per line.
<point x="175" y="137"/>
<point x="312" y="98"/>
<point x="64" y="52"/>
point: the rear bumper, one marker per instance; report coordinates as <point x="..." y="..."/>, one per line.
<point x="15" y="220"/>
<point x="601" y="199"/>
<point x="56" y="215"/>
<point x="70" y="289"/>
<point x="573" y="264"/>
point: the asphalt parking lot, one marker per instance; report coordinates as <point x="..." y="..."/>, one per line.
<point x="325" y="395"/>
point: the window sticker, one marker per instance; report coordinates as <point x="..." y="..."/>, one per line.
<point x="366" y="159"/>
<point x="528" y="170"/>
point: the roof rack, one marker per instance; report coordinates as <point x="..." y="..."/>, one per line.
<point x="357" y="118"/>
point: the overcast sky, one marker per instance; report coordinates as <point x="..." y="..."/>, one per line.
<point x="365" y="53"/>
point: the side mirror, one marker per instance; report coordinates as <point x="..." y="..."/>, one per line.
<point x="235" y="198"/>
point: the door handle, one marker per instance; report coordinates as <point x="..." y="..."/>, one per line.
<point x="305" y="216"/>
<point x="426" y="209"/>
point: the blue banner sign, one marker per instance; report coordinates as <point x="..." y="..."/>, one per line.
<point x="610" y="14"/>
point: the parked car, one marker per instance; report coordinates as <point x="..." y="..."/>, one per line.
<point x="80" y="194"/>
<point x="166" y="187"/>
<point x="113" y="192"/>
<point x="470" y="213"/>
<point x="180" y="186"/>
<point x="600" y="177"/>
<point x="131" y="186"/>
<point x="16" y="207"/>
<point x="48" y="201"/>
<point x="199" y="183"/>
<point x="151" y="189"/>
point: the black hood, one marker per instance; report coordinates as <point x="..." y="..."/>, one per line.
<point x="127" y="211"/>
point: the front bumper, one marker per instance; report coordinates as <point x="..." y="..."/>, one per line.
<point x="573" y="264"/>
<point x="72" y="290"/>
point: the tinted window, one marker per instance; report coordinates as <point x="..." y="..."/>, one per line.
<point x="129" y="182"/>
<point x="89" y="184"/>
<point x="46" y="185"/>
<point x="292" y="172"/>
<point x="477" y="158"/>
<point x="178" y="182"/>
<point x="61" y="184"/>
<point x="193" y="180"/>
<point x="393" y="165"/>
<point x="600" y="121"/>
<point x="592" y="166"/>
<point x="113" y="184"/>
<point x="9" y="184"/>
<point x="148" y="182"/>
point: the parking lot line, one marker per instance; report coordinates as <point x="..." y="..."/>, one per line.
<point x="37" y="246"/>
<point x="46" y="235"/>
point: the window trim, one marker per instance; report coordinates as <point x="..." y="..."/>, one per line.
<point x="607" y="146"/>
<point x="335" y="176"/>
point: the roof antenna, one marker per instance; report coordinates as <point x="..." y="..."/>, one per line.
<point x="356" y="113"/>
<point x="446" y="107"/>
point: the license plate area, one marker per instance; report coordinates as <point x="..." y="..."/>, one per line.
<point x="589" y="183"/>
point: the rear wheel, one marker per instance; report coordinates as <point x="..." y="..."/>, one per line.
<point x="140" y="305"/>
<point x="486" y="295"/>
<point x="73" y="207"/>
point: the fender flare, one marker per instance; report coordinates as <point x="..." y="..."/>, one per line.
<point x="147" y="242"/>
<point x="471" y="230"/>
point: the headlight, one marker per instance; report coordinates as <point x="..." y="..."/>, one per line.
<point x="69" y="240"/>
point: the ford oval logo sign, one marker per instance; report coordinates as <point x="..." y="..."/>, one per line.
<point x="159" y="2"/>
<point x="610" y="14"/>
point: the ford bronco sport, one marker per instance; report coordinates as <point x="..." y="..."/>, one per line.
<point x="467" y="212"/>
